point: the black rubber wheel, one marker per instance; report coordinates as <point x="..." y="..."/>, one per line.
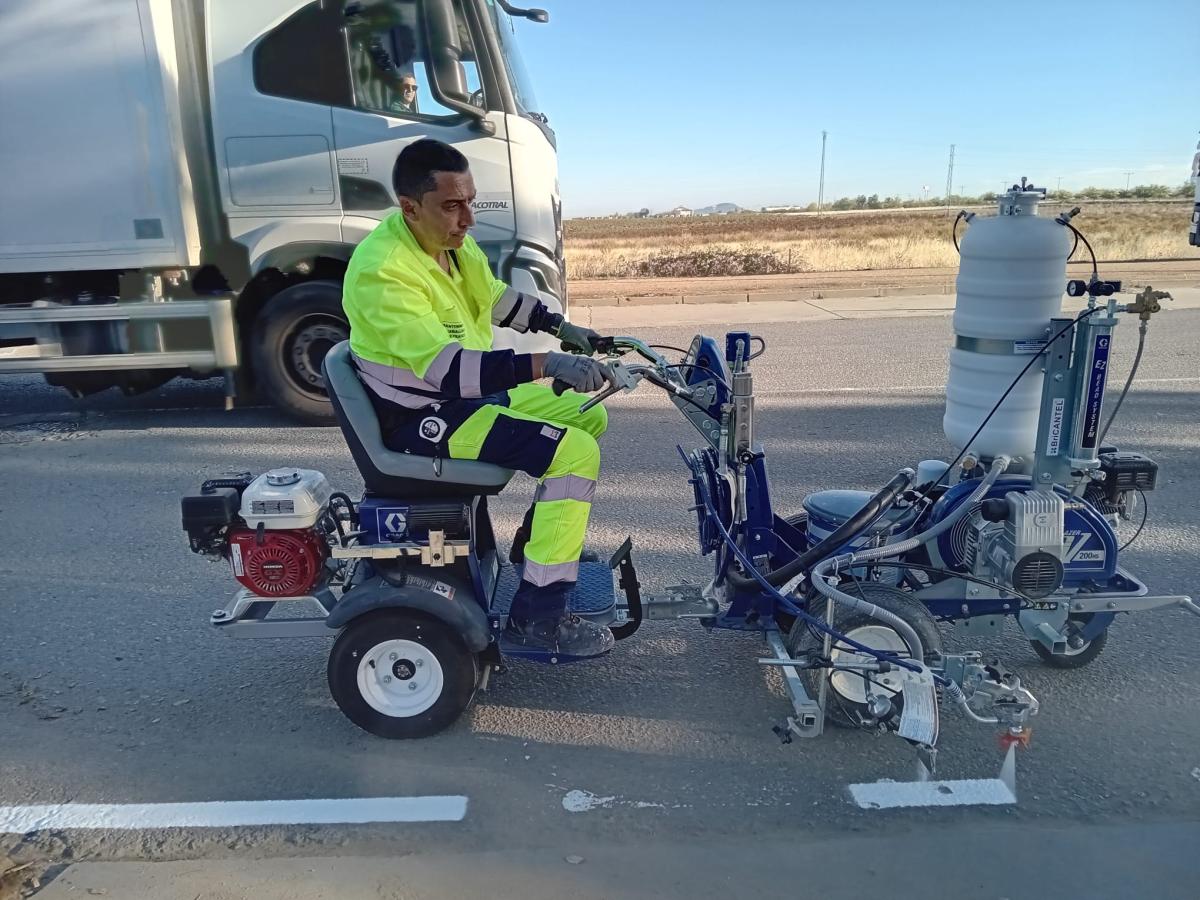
<point x="400" y="674"/>
<point x="292" y="334"/>
<point x="1073" y="658"/>
<point x="842" y="706"/>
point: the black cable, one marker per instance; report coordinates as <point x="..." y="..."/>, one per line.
<point x="1074" y="247"/>
<point x="1029" y="365"/>
<point x="763" y="342"/>
<point x="1079" y="237"/>
<point x="667" y="347"/>
<point x="954" y="230"/>
<point x="716" y="377"/>
<point x="1145" y="515"/>
<point x="683" y="397"/>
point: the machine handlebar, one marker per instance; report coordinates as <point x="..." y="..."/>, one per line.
<point x="660" y="372"/>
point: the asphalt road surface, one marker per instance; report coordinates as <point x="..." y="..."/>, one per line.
<point x="114" y="689"/>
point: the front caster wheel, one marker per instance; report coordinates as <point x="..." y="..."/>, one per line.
<point x="399" y="674"/>
<point x="1075" y="657"/>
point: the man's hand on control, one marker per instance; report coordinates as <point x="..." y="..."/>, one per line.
<point x="582" y="373"/>
<point x="576" y="337"/>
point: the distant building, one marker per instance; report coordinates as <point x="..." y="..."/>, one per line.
<point x="680" y="211"/>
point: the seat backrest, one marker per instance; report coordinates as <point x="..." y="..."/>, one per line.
<point x="389" y="472"/>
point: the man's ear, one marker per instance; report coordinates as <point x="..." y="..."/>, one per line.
<point x="408" y="206"/>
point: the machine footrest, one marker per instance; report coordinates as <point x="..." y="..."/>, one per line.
<point x="594" y="597"/>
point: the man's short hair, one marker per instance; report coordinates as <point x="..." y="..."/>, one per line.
<point x="418" y="163"/>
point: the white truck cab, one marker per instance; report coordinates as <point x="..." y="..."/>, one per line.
<point x="196" y="174"/>
<point x="1194" y="231"/>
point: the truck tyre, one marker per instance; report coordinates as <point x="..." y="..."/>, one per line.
<point x="292" y="334"/>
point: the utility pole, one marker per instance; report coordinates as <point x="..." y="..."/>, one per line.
<point x="821" y="187"/>
<point x="950" y="179"/>
<point x="1059" y="188"/>
<point x="1127" y="174"/>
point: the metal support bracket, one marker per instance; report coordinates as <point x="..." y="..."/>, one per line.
<point x="245" y="616"/>
<point x="809" y="720"/>
<point x="1096" y="603"/>
<point x="684" y="601"/>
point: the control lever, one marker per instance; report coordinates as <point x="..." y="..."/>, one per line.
<point x="622" y="379"/>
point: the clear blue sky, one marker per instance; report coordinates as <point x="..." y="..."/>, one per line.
<point x="665" y="102"/>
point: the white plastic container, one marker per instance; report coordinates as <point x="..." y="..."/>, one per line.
<point x="285" y="498"/>
<point x="1010" y="285"/>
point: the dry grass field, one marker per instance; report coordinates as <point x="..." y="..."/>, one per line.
<point x="764" y="244"/>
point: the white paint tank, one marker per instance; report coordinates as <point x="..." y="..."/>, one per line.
<point x="1011" y="278"/>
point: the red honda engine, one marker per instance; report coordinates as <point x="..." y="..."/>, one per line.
<point x="283" y="563"/>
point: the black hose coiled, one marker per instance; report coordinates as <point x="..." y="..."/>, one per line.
<point x="880" y="503"/>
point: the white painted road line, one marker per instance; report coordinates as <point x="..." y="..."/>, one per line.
<point x="23" y="819"/>
<point x="967" y="792"/>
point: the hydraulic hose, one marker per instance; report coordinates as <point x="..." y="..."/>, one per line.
<point x="847" y="560"/>
<point x="847" y="531"/>
<point x="957" y="695"/>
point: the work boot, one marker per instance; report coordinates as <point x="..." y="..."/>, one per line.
<point x="568" y="635"/>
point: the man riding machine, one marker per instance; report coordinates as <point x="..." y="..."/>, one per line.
<point x="422" y="302"/>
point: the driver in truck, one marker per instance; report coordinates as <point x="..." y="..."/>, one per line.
<point x="421" y="300"/>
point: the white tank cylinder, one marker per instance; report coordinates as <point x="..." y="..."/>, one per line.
<point x="1011" y="277"/>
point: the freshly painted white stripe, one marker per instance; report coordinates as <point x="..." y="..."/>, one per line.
<point x="23" y="819"/>
<point x="967" y="792"/>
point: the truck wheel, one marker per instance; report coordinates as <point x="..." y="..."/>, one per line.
<point x="292" y="334"/>
<point x="846" y="698"/>
<point x="400" y="674"/>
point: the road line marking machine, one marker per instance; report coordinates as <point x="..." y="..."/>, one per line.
<point x="847" y="594"/>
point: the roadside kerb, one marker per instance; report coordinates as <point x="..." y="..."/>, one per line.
<point x="694" y="299"/>
<point x="648" y="300"/>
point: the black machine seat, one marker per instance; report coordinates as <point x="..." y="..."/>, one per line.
<point x="388" y="472"/>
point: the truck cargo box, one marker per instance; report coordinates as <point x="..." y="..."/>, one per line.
<point x="92" y="167"/>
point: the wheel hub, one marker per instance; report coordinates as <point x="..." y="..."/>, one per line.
<point x="851" y="685"/>
<point x="312" y="338"/>
<point x="404" y="669"/>
<point x="400" y="678"/>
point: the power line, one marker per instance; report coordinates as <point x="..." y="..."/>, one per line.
<point x="950" y="179"/>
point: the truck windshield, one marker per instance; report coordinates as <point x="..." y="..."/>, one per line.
<point x="518" y="76"/>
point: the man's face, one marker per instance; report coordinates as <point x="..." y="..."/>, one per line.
<point x="441" y="219"/>
<point x="408" y="90"/>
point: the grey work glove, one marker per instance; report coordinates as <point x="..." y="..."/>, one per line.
<point x="576" y="337"/>
<point x="582" y="373"/>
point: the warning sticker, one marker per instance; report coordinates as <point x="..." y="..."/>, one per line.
<point x="1027" y="348"/>
<point x="437" y="587"/>
<point x="235" y="560"/>
<point x="919" y="718"/>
